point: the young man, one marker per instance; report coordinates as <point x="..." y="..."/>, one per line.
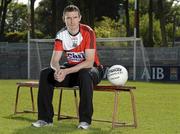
<point x="83" y="69"/>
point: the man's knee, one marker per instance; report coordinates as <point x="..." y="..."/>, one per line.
<point x="46" y="72"/>
<point x="84" y="73"/>
<point x="90" y="74"/>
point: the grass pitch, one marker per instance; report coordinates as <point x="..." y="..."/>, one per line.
<point x="158" y="111"/>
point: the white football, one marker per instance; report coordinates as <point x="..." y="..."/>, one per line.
<point x="117" y="75"/>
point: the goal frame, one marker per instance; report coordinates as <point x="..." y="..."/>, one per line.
<point x="111" y="39"/>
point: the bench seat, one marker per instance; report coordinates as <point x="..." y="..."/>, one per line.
<point x="104" y="88"/>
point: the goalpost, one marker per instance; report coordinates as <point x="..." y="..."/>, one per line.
<point x="126" y="51"/>
<point x="121" y="39"/>
<point x="137" y="57"/>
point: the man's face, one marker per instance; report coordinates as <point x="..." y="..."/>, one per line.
<point x="72" y="20"/>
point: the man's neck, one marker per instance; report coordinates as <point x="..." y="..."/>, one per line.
<point x="74" y="32"/>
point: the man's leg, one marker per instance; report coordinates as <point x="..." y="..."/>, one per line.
<point x="45" y="95"/>
<point x="87" y="77"/>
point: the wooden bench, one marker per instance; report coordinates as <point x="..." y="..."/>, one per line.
<point x="102" y="88"/>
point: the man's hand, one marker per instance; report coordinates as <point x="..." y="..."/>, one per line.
<point x="60" y="74"/>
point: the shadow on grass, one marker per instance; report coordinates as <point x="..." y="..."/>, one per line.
<point x="20" y="118"/>
<point x="61" y="128"/>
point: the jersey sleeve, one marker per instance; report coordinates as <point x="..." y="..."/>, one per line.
<point x="58" y="45"/>
<point x="91" y="40"/>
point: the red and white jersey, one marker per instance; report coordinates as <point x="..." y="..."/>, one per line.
<point x="75" y="45"/>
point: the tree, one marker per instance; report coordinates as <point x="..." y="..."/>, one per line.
<point x="16" y="18"/>
<point x="87" y="8"/>
<point x="49" y="14"/>
<point x="32" y="18"/>
<point x="160" y="5"/>
<point x="60" y="4"/>
<point x="128" y="30"/>
<point x="43" y="18"/>
<point x="4" y="5"/>
<point x="54" y="16"/>
<point x="150" y="31"/>
<point x="137" y="19"/>
<point x="1" y="8"/>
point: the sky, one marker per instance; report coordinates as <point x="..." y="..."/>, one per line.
<point x="26" y="1"/>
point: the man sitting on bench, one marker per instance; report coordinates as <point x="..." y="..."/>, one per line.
<point x="83" y="69"/>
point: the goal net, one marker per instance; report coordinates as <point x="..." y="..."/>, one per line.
<point x="126" y="51"/>
<point x="39" y="55"/>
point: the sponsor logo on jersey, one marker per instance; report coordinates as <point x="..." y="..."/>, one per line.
<point x="75" y="56"/>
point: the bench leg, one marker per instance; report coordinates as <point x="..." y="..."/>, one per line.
<point x="76" y="103"/>
<point x="60" y="102"/>
<point x="32" y="99"/>
<point x="115" y="109"/>
<point x="133" y="108"/>
<point x="17" y="98"/>
<point x="16" y="101"/>
<point x="59" y="107"/>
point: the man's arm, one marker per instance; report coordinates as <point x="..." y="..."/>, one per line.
<point x="88" y="63"/>
<point x="56" y="56"/>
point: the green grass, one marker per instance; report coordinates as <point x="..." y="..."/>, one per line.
<point x="158" y="111"/>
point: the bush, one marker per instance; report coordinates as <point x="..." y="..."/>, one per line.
<point x="108" y="28"/>
<point x="21" y="36"/>
<point x="39" y="34"/>
<point x="15" y="37"/>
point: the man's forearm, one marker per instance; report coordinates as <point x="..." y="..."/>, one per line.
<point x="76" y="68"/>
<point x="55" y="66"/>
<point x="55" y="60"/>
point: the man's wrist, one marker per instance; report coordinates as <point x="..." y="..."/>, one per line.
<point x="55" y="68"/>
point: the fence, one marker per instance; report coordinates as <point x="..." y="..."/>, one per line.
<point x="13" y="61"/>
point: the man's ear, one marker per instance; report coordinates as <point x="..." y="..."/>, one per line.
<point x="63" y="18"/>
<point x="80" y="18"/>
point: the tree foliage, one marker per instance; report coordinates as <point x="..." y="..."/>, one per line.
<point x="107" y="27"/>
<point x="3" y="11"/>
<point x="158" y="21"/>
<point x="16" y="19"/>
<point x="43" y="18"/>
